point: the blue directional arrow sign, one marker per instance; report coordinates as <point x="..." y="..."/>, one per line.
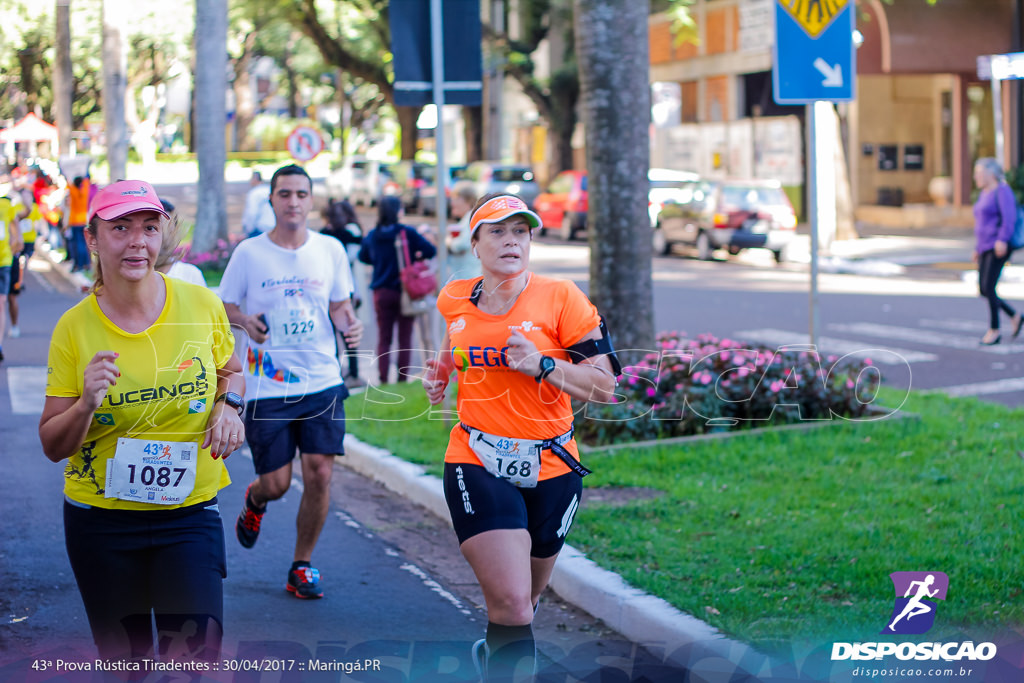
<point x="815" y="58"/>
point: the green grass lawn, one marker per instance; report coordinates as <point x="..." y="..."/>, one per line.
<point x="783" y="537"/>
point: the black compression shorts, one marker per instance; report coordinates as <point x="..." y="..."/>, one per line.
<point x="479" y="501"/>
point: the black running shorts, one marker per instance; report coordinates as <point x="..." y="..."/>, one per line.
<point x="479" y="501"/>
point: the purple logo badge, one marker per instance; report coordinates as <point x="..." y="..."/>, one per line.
<point x="914" y="611"/>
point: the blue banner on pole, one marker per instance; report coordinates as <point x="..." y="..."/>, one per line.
<point x="411" y="49"/>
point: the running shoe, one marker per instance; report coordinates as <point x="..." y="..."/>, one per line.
<point x="304" y="583"/>
<point x="480" y="653"/>
<point x="14" y="332"/>
<point x="247" y="526"/>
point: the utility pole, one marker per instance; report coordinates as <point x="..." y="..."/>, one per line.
<point x="211" y="115"/>
<point x="494" y="79"/>
<point x="63" y="78"/>
<point x="115" y="67"/>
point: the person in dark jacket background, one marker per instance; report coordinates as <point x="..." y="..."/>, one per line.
<point x="341" y="223"/>
<point x="380" y="249"/>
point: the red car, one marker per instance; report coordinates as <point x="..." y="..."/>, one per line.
<point x="564" y="205"/>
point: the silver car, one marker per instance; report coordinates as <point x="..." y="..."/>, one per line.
<point x="494" y="176"/>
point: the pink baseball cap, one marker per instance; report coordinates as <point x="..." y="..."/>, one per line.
<point x="125" y="197"/>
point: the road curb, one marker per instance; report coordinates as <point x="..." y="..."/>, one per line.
<point x="76" y="280"/>
<point x="643" y="618"/>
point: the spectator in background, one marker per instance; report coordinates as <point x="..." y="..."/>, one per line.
<point x="78" y="208"/>
<point x="462" y="264"/>
<point x="258" y="216"/>
<point x="995" y="213"/>
<point x="168" y="261"/>
<point x="341" y="223"/>
<point x="380" y="250"/>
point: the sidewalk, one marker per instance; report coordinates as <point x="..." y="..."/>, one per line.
<point x="940" y="252"/>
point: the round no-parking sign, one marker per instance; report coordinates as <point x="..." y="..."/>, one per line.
<point x="304" y="143"/>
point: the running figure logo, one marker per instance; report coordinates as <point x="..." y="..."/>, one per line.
<point x="914" y="612"/>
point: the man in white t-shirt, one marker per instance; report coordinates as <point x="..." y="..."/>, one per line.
<point x="258" y="216"/>
<point x="296" y="285"/>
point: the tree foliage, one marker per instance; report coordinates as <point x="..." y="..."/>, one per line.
<point x="555" y="95"/>
<point x="354" y="37"/>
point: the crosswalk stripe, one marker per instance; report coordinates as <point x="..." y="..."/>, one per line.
<point x="842" y="347"/>
<point x="26" y="385"/>
<point x="999" y="386"/>
<point x="927" y="337"/>
<point x="974" y="326"/>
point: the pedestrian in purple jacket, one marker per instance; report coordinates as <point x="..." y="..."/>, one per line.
<point x="995" y="213"/>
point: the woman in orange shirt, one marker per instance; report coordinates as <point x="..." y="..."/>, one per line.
<point x="78" y="208"/>
<point x="523" y="345"/>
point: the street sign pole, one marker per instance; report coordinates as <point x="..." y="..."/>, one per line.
<point x="435" y="322"/>
<point x="815" y="64"/>
<point x="997" y="112"/>
<point x="812" y="209"/>
<point x="440" y="180"/>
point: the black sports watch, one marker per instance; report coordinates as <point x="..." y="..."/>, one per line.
<point x="547" y="366"/>
<point x="232" y="399"/>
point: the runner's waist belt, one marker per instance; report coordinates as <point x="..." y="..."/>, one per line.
<point x="555" y="445"/>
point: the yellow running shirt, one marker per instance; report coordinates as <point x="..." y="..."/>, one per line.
<point x="7" y="214"/>
<point x="165" y="392"/>
<point x="554" y="315"/>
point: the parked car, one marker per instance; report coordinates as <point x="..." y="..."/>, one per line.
<point x="564" y="205"/>
<point x="494" y="176"/>
<point x="428" y="193"/>
<point x="358" y="179"/>
<point x="411" y="177"/>
<point x="668" y="186"/>
<point x="730" y="214"/>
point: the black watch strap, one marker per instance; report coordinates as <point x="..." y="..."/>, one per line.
<point x="547" y="366"/>
<point x="232" y="399"/>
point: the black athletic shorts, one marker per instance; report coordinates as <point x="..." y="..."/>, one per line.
<point x="479" y="501"/>
<point x="275" y="427"/>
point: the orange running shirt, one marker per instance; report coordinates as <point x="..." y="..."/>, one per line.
<point x="553" y="314"/>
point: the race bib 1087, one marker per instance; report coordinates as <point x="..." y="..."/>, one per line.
<point x="148" y="471"/>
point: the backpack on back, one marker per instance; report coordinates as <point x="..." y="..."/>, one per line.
<point x="1017" y="238"/>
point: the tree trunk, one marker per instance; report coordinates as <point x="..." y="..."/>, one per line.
<point x="562" y="120"/>
<point x="63" y="77"/>
<point x="245" y="105"/>
<point x="611" y="46"/>
<point x="474" y="120"/>
<point x="210" y="115"/>
<point x="407" y="117"/>
<point x="114" y="84"/>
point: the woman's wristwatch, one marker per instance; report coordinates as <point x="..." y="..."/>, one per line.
<point x="232" y="399"/>
<point x="547" y="366"/>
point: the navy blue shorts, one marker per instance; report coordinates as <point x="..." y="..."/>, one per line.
<point x="276" y="427"/>
<point x="478" y="501"/>
<point x="14" y="287"/>
<point x="128" y="563"/>
<point x="5" y="279"/>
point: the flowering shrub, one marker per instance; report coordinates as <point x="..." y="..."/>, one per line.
<point x="216" y="258"/>
<point x="692" y="386"/>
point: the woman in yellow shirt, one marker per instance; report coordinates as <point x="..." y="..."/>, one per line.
<point x="142" y="403"/>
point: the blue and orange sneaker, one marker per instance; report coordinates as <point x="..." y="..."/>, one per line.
<point x="304" y="583"/>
